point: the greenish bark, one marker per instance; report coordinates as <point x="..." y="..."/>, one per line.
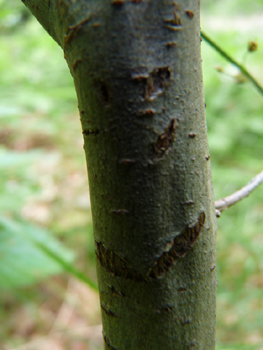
<point x="136" y="65"/>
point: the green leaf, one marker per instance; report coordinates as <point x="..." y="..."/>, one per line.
<point x="69" y="268"/>
<point x="23" y="260"/>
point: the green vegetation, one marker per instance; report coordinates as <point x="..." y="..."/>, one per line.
<point x="45" y="210"/>
<point x="235" y="131"/>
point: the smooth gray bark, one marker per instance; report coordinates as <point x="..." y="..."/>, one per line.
<point x="136" y="65"/>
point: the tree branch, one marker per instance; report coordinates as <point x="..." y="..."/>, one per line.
<point x="245" y="191"/>
<point x="233" y="61"/>
<point x="46" y="12"/>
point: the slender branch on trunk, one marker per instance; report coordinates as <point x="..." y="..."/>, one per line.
<point x="229" y="58"/>
<point x="46" y="12"/>
<point x="224" y="203"/>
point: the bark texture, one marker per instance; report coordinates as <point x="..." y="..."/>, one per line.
<point x="136" y="65"/>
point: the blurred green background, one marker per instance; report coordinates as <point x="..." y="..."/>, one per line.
<point x="44" y="195"/>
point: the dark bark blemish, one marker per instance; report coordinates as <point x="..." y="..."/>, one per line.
<point x="90" y="132"/>
<point x="207" y="157"/>
<point x="182" y="290"/>
<point x="190" y="201"/>
<point x="120" y="211"/>
<point x="115" y="264"/>
<point x="181" y="244"/>
<point x="140" y="76"/>
<point x="107" y="310"/>
<point x="114" y="291"/>
<point x="117" y="2"/>
<point x="107" y="342"/>
<point x="174" y="28"/>
<point x="127" y="161"/>
<point x="153" y="83"/>
<point x="213" y="268"/>
<point x="76" y="63"/>
<point x="175" y="22"/>
<point x="157" y="80"/>
<point x="171" y="44"/>
<point x="188" y="238"/>
<point x="165" y="140"/>
<point x="190" y="14"/>
<point x="146" y="113"/>
<point x="73" y="30"/>
<point x="192" y="135"/>
<point x="165" y="309"/>
<point x="104" y="93"/>
<point x="185" y="321"/>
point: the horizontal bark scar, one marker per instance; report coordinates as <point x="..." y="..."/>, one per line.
<point x="146" y="113"/>
<point x="174" y="22"/>
<point x="179" y="247"/>
<point x="90" y="132"/>
<point x="120" y="211"/>
<point x="164" y="142"/>
<point x="107" y="342"/>
<point x="115" y="264"/>
<point x="107" y="310"/>
<point x="117" y="2"/>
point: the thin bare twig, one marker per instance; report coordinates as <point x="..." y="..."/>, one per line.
<point x="233" y="61"/>
<point x="245" y="191"/>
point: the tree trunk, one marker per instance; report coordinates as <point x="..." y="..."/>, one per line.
<point x="136" y="65"/>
